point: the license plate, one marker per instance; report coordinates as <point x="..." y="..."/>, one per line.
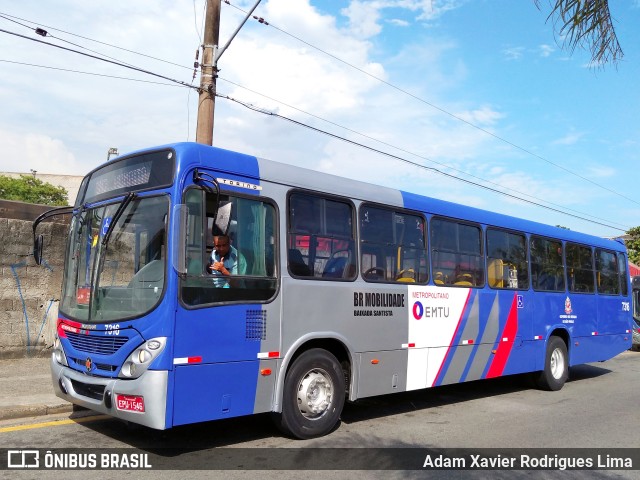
<point x="131" y="403"/>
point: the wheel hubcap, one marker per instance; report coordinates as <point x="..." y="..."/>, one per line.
<point x="315" y="393"/>
<point x="556" y="364"/>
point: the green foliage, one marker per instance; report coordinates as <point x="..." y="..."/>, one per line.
<point x="633" y="245"/>
<point x="586" y="24"/>
<point x="29" y="189"/>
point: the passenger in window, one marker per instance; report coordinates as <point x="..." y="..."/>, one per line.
<point x="225" y="261"/>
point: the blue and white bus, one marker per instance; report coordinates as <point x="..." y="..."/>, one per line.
<point x="337" y="290"/>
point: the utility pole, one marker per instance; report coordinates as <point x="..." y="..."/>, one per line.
<point x="209" y="72"/>
<point x="211" y="53"/>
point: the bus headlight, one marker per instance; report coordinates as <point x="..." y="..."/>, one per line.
<point x="58" y="353"/>
<point x="140" y="359"/>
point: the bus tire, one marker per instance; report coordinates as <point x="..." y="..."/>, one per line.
<point x="556" y="366"/>
<point x="313" y="396"/>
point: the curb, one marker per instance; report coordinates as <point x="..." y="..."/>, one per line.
<point x="22" y="411"/>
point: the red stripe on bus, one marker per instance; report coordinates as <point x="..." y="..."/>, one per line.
<point x="504" y="348"/>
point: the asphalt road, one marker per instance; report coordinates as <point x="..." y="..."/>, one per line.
<point x="596" y="409"/>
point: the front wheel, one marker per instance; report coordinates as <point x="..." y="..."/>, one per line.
<point x="556" y="366"/>
<point x="313" y="397"/>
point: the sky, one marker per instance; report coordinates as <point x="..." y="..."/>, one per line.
<point x="464" y="97"/>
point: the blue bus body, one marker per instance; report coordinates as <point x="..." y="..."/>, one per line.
<point x="189" y="354"/>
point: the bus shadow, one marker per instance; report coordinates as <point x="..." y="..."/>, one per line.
<point x="406" y="402"/>
<point x="257" y="429"/>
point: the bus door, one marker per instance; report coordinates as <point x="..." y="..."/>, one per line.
<point x="227" y="330"/>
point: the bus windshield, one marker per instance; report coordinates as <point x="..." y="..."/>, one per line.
<point x="121" y="276"/>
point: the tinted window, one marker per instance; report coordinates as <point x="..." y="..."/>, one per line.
<point x="547" y="271"/>
<point x="392" y="246"/>
<point x="623" y="273"/>
<point x="507" y="260"/>
<point x="607" y="272"/>
<point x="321" y="241"/>
<point x="579" y="268"/>
<point x="456" y="253"/>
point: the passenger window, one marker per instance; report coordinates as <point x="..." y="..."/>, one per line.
<point x="607" y="272"/>
<point x="579" y="268"/>
<point x="456" y="254"/>
<point x="623" y="274"/>
<point x="321" y="241"/>
<point x="547" y="269"/>
<point x="507" y="265"/>
<point x="392" y="246"/>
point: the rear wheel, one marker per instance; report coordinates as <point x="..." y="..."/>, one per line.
<point x="313" y="397"/>
<point x="556" y="366"/>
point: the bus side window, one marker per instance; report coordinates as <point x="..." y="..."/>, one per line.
<point x="623" y="274"/>
<point x="321" y="237"/>
<point x="507" y="265"/>
<point x="607" y="272"/>
<point x="580" y="268"/>
<point x="456" y="252"/>
<point x="392" y="244"/>
<point x="547" y="268"/>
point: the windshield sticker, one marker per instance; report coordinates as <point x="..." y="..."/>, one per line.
<point x="105" y="226"/>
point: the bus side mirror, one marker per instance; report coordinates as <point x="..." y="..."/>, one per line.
<point x="38" y="242"/>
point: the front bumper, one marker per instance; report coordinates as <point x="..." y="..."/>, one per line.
<point x="98" y="394"/>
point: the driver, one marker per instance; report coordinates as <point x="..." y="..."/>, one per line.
<point x="225" y="261"/>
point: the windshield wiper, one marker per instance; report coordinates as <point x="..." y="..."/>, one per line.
<point x="125" y="203"/>
<point x="99" y="259"/>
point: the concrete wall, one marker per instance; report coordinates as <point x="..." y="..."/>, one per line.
<point x="29" y="294"/>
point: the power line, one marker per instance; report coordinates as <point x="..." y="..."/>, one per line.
<point x="411" y="153"/>
<point x="396" y="157"/>
<point x="44" y="33"/>
<point x="262" y="21"/>
<point x="315" y="116"/>
<point x="141" y="70"/>
<point x="291" y="120"/>
<point x="436" y="107"/>
<point x="88" y="73"/>
<point x="6" y="16"/>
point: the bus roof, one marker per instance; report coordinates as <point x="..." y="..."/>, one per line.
<point x="299" y="177"/>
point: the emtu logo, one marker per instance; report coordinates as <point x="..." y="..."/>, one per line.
<point x="418" y="310"/>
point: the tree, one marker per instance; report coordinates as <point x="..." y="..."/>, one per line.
<point x="633" y="245"/>
<point x="587" y="24"/>
<point x="29" y="189"/>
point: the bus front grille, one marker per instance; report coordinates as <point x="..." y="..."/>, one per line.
<point x="96" y="344"/>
